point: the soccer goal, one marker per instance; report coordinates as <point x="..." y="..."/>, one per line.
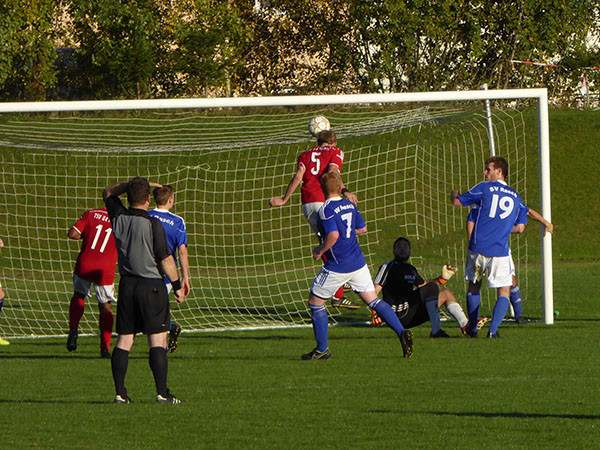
<point x="251" y="264"/>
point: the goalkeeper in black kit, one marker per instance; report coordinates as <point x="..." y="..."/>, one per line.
<point x="414" y="299"/>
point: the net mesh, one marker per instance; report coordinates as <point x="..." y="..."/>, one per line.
<point x="250" y="264"/>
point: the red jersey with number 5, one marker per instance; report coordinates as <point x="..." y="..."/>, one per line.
<point x="98" y="256"/>
<point x="316" y="162"/>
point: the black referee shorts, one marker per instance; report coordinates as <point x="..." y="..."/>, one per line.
<point x="143" y="306"/>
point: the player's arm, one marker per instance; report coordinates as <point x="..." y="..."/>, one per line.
<point x="73" y="234"/>
<point x="292" y="186"/>
<point x="170" y="270"/>
<point x="518" y="228"/>
<point x="454" y="198"/>
<point x="120" y="188"/>
<point x="539" y="218"/>
<point x="185" y="268"/>
<point x="361" y="230"/>
<point x="330" y="240"/>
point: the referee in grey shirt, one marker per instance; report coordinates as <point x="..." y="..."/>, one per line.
<point x="143" y="303"/>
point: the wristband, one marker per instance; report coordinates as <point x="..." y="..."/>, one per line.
<point x="442" y="281"/>
<point x="344" y="190"/>
<point x="176" y="285"/>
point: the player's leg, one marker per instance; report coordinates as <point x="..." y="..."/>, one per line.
<point x="126" y="329"/>
<point x="105" y="295"/>
<point x="320" y="324"/>
<point x="2" y="341"/>
<point x="516" y="301"/>
<point x="81" y="289"/>
<point x="474" y="270"/>
<point x="500" y="278"/>
<point x="174" y="329"/>
<point x="362" y="284"/>
<point x="429" y="294"/>
<point x="447" y="299"/>
<point x="153" y="304"/>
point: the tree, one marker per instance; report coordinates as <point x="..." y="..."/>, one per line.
<point x="27" y="52"/>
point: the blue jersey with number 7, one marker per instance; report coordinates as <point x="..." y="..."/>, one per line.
<point x="339" y="214"/>
<point x="500" y="208"/>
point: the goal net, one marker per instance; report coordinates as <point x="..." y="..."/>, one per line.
<point x="251" y="264"/>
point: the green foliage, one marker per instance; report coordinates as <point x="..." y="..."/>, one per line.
<point x="27" y="52"/>
<point x="122" y="46"/>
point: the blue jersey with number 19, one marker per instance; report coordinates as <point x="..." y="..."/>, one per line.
<point x="500" y="208"/>
<point x="339" y="214"/>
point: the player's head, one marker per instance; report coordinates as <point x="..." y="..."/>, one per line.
<point x="326" y="137"/>
<point x="138" y="191"/>
<point x="162" y="195"/>
<point x="402" y="249"/>
<point x="331" y="183"/>
<point x="496" y="168"/>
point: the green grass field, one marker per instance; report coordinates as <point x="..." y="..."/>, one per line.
<point x="537" y="387"/>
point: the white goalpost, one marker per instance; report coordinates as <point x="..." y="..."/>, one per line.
<point x="225" y="157"/>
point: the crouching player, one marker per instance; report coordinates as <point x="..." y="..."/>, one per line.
<point x="341" y="221"/>
<point x="414" y="299"/>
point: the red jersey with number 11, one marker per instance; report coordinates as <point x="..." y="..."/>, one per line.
<point x="316" y="162"/>
<point x="98" y="256"/>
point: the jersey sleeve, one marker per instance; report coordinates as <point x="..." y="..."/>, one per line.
<point x="337" y="158"/>
<point x="522" y="214"/>
<point x="181" y="234"/>
<point x="418" y="278"/>
<point x="80" y="225"/>
<point x="359" y="221"/>
<point x="114" y="206"/>
<point x="472" y="196"/>
<point x="381" y="277"/>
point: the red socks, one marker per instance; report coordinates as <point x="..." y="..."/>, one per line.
<point x="75" y="311"/>
<point x="106" y="326"/>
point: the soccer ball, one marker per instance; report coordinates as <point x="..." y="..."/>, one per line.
<point x="318" y="124"/>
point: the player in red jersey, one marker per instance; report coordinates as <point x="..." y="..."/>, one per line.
<point x="95" y="265"/>
<point x="312" y="164"/>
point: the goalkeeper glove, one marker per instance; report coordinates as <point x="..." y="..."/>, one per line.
<point x="376" y="320"/>
<point x="447" y="272"/>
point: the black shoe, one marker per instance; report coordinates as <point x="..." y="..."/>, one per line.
<point x="521" y="320"/>
<point x="173" y="335"/>
<point x="495" y="335"/>
<point x="406" y="339"/>
<point x="104" y="354"/>
<point x="439" y="334"/>
<point x="72" y="341"/>
<point x="119" y="399"/>
<point x="343" y="303"/>
<point x="315" y="354"/>
<point x="168" y="399"/>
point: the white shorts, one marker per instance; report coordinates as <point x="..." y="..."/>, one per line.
<point x="499" y="269"/>
<point x="311" y="212"/>
<point x="326" y="283"/>
<point x="104" y="294"/>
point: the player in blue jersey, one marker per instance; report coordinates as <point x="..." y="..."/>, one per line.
<point x="177" y="240"/>
<point x="515" y="292"/>
<point x="341" y="222"/>
<point x="501" y="213"/>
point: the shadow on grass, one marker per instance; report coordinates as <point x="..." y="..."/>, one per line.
<point x="494" y="415"/>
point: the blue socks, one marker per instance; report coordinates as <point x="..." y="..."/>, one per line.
<point x="515" y="300"/>
<point x="320" y="324"/>
<point x="499" y="312"/>
<point x="473" y="301"/>
<point x="388" y="315"/>
<point x="1" y="304"/>
<point x="433" y="310"/>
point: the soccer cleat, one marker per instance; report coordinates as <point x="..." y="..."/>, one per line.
<point x="406" y="339"/>
<point x="481" y="322"/>
<point x="375" y="319"/>
<point x="467" y="332"/>
<point x="521" y="320"/>
<point x="439" y="334"/>
<point x="174" y="333"/>
<point x="4" y="342"/>
<point x="119" y="399"/>
<point x="104" y="354"/>
<point x="495" y="335"/>
<point x="343" y="303"/>
<point x="347" y="288"/>
<point x="316" y="354"/>
<point x="168" y="399"/>
<point x="72" y="340"/>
